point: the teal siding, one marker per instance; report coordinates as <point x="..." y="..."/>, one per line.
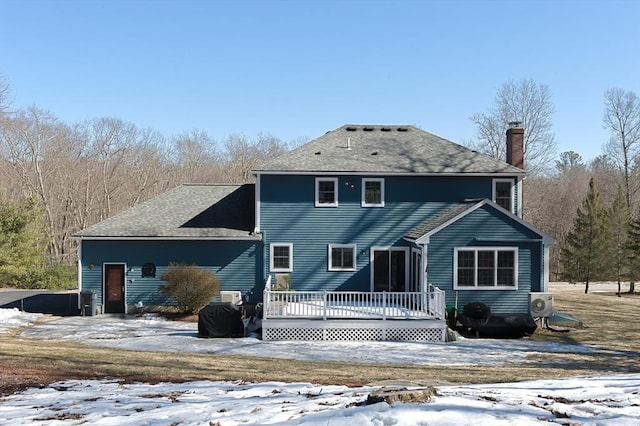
<point x="288" y="215"/>
<point x="487" y="227"/>
<point x="238" y="265"/>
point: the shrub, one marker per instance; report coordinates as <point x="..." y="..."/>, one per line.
<point x="191" y="287"/>
<point x="56" y="277"/>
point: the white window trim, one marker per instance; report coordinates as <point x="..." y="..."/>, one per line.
<point x="364" y="182"/>
<point x="271" y="267"/>
<point x="353" y="248"/>
<point x="493" y="191"/>
<point x="317" y="197"/>
<point x="475" y="278"/>
<point x="518" y="201"/>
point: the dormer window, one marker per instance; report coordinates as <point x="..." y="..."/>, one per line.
<point x="372" y="192"/>
<point x="503" y="193"/>
<point x="326" y="192"/>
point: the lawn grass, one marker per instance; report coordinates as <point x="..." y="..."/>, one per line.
<point x="611" y="323"/>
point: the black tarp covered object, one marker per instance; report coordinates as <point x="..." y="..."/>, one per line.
<point x="220" y="319"/>
<point x="500" y="326"/>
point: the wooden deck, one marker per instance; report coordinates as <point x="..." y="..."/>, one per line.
<point x="349" y="315"/>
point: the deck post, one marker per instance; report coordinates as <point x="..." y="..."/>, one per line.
<point x="266" y="297"/>
<point x="324" y="305"/>
<point x="384" y="305"/>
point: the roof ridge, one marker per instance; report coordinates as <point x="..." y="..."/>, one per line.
<point x="388" y="149"/>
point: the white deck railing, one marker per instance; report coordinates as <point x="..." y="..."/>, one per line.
<point x="352" y="304"/>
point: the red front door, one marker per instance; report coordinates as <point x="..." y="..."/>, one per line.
<point x="114" y="288"/>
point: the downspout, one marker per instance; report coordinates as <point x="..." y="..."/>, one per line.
<point x="545" y="260"/>
<point x="79" y="266"/>
<point x="256" y="229"/>
<point x="425" y="268"/>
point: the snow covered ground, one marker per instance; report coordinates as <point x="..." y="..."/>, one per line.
<point x="13" y="318"/>
<point x="582" y="400"/>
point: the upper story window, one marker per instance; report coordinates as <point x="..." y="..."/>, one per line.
<point x="503" y="193"/>
<point x="342" y="257"/>
<point x="281" y="257"/>
<point x="372" y="192"/>
<point x="485" y="268"/>
<point x="326" y="192"/>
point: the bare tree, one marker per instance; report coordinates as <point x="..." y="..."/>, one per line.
<point x="552" y="201"/>
<point x="37" y="146"/>
<point x="244" y="155"/>
<point x="5" y="96"/>
<point x="108" y="142"/>
<point x="196" y="156"/>
<point x="148" y="167"/>
<point x="527" y="102"/>
<point x="622" y="119"/>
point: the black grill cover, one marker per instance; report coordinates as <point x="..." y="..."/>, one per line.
<point x="220" y="320"/>
<point x="501" y="326"/>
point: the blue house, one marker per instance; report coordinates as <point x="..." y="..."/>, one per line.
<point x="362" y="210"/>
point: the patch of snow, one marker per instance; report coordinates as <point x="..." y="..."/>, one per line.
<point x="13" y="318"/>
<point x="153" y="333"/>
<point x="583" y="400"/>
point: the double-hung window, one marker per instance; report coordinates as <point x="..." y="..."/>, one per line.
<point x="281" y="257"/>
<point x="485" y="268"/>
<point x="326" y="192"/>
<point x="503" y="193"/>
<point x="342" y="257"/>
<point x="372" y="192"/>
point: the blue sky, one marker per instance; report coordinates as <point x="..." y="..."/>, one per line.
<point x="300" y="68"/>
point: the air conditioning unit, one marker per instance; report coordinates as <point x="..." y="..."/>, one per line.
<point x="540" y="305"/>
<point x="234" y="297"/>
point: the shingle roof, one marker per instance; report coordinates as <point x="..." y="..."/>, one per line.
<point x="455" y="211"/>
<point x="440" y="219"/>
<point x="385" y="149"/>
<point x="207" y="211"/>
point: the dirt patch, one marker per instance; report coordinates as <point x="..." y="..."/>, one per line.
<point x="18" y="376"/>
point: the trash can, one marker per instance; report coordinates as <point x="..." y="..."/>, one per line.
<point x="88" y="304"/>
<point x="452" y="316"/>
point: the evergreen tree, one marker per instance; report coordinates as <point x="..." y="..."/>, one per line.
<point x="587" y="256"/>
<point x="22" y="242"/>
<point x="620" y="220"/>
<point x="633" y="245"/>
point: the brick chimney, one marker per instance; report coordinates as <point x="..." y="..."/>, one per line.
<point x="515" y="144"/>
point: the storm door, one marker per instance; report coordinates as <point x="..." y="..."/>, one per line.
<point x="114" y="288"/>
<point x="390" y="268"/>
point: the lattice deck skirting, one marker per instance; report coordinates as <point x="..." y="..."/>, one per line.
<point x="355" y="330"/>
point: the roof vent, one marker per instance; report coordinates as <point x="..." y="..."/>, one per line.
<point x="402" y="129"/>
<point x="367" y="129"/>
<point x="385" y="129"/>
<point x="351" y="129"/>
<point x="317" y="153"/>
<point x="374" y="153"/>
